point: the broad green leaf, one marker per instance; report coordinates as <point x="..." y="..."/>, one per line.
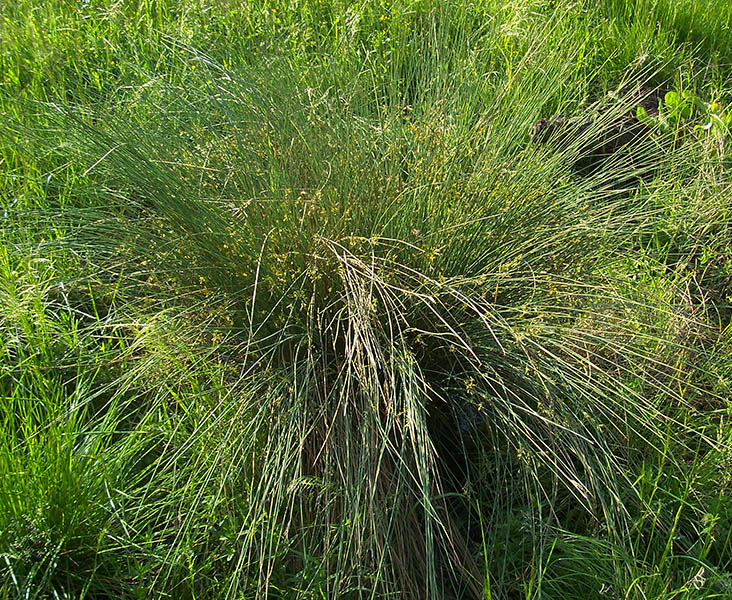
<point x="643" y="115"/>
<point x="672" y="99"/>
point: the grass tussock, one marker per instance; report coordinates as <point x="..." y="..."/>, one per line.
<point x="293" y="306"/>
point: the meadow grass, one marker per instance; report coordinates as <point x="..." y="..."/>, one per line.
<point x="292" y="306"/>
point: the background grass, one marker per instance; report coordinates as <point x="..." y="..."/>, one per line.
<point x="293" y="307"/>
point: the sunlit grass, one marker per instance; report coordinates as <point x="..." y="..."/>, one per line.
<point x="293" y="307"/>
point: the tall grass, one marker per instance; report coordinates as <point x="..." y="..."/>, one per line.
<point x="311" y="316"/>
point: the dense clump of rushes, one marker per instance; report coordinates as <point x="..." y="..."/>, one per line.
<point x="312" y="315"/>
